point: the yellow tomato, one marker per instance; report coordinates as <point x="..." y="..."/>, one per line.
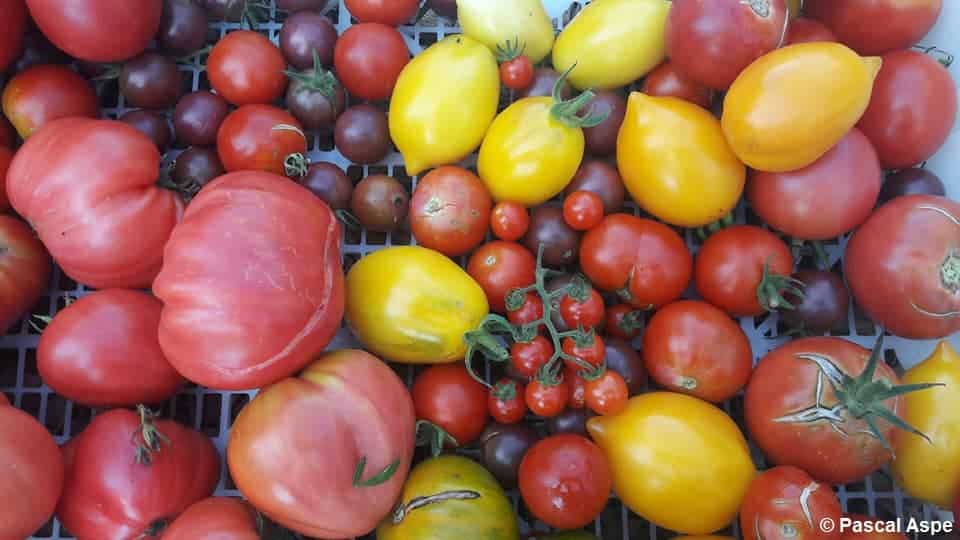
<point x="676" y="163"/>
<point x="792" y="105"/>
<point x="931" y="470"/>
<point x="444" y="102"/>
<point x="412" y="304"/>
<point x="613" y="42"/>
<point x="677" y="461"/>
<point x="494" y="22"/>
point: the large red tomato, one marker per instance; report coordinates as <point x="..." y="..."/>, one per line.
<point x="127" y="474"/>
<point x="44" y="93"/>
<point x="6" y="156"/>
<point x="450" y="210"/>
<point x="251" y="283"/>
<point x="216" y="518"/>
<point x="794" y="202"/>
<point x="109" y="229"/>
<point x="784" y="503"/>
<point x="903" y="266"/>
<point x="32" y="474"/>
<point x="14" y="26"/>
<point x="500" y="267"/>
<point x="644" y="261"/>
<point x="912" y="109"/>
<point x="24" y="270"/>
<point x="343" y="438"/>
<point x="98" y="30"/>
<point x="102" y="350"/>
<point x="390" y="12"/>
<point x="369" y="58"/>
<point x="876" y="26"/>
<point x="246" y="68"/>
<point x="262" y="138"/>
<point x="447" y="396"/>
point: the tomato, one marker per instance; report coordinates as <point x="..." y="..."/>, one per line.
<point x="668" y="81"/>
<point x="712" y="42"/>
<point x="447" y="396"/>
<point x="8" y="136"/>
<point x="368" y="58"/>
<point x="88" y="30"/>
<point x="695" y="348"/>
<point x="450" y="498"/>
<point x="646" y="262"/>
<point x="547" y="400"/>
<point x="793" y="202"/>
<point x="704" y="468"/>
<point x="583" y="210"/>
<point x="804" y="30"/>
<point x="624" y="322"/>
<point x="912" y="110"/>
<point x="612" y="42"/>
<point x="44" y="93"/>
<point x="607" y="394"/>
<point x="587" y="314"/>
<point x="876" y="26"/>
<point x="102" y="350"/>
<point x="262" y="138"/>
<point x="827" y="86"/>
<point x="443" y="103"/>
<point x="499" y="267"/>
<point x="29" y="494"/>
<point x="565" y="481"/>
<point x="744" y="270"/>
<point x="578" y="388"/>
<point x="345" y="489"/>
<point x="507" y="402"/>
<point x="450" y="211"/>
<point x="784" y="503"/>
<point x="11" y="42"/>
<point x="128" y="473"/>
<point x="676" y="163"/>
<point x="411" y="304"/>
<point x="243" y="310"/>
<point x="216" y="518"/>
<point x="860" y="524"/>
<point x="495" y="22"/>
<point x="527" y="358"/>
<point x="903" y="266"/>
<point x="517" y="74"/>
<point x="246" y="68"/>
<point x="24" y="270"/>
<point x="390" y="12"/>
<point x="591" y="351"/>
<point x="529" y="312"/>
<point x="110" y="229"/>
<point x="509" y="221"/>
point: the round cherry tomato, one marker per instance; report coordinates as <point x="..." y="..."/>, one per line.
<point x="583" y="210"/>
<point x="565" y="481"/>
<point x="507" y="401"/>
<point x="447" y="396"/>
<point x="499" y="267"/>
<point x="225" y="518"/>
<point x="625" y="360"/>
<point x="578" y="388"/>
<point x="246" y="68"/>
<point x="389" y="12"/>
<point x="517" y="74"/>
<point x="91" y="30"/>
<point x="587" y="314"/>
<point x="260" y="138"/>
<point x="591" y="351"/>
<point x="784" y="503"/>
<point x="607" y="394"/>
<point x="668" y="81"/>
<point x="450" y="210"/>
<point x="11" y="41"/>
<point x="509" y="221"/>
<point x="530" y="311"/>
<point x="45" y="93"/>
<point x="24" y="270"/>
<point x="876" y="26"/>
<point x="528" y="357"/>
<point x="824" y="304"/>
<point x="730" y="270"/>
<point x="624" y="322"/>
<point x="804" y="30"/>
<point x="547" y="400"/>
<point x="601" y="178"/>
<point x="369" y="58"/>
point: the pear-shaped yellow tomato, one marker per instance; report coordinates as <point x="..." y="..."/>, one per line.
<point x="676" y="163"/>
<point x="450" y="498"/>
<point x="444" y="102"/>
<point x="677" y="461"/>
<point x="930" y="470"/>
<point x="792" y="105"/>
<point x="613" y="42"/>
<point x="412" y="304"/>
<point x="495" y="22"/>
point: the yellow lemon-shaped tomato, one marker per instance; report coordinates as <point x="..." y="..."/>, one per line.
<point x="412" y="304"/>
<point x="613" y="42"/>
<point x="676" y="163"/>
<point x="792" y="105"/>
<point x="677" y="461"/>
<point x="495" y="22"/>
<point x="444" y="102"/>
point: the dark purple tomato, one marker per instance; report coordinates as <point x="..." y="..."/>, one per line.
<point x="362" y="134"/>
<point x="625" y="360"/>
<point x="380" y="203"/>
<point x="601" y="178"/>
<point x="823" y="306"/>
<point x="543" y="80"/>
<point x="447" y="8"/>
<point x="561" y="244"/>
<point x="330" y="183"/>
<point x="224" y="10"/>
<point x="152" y="125"/>
<point x="151" y="81"/>
<point x="913" y="181"/>
<point x="502" y="448"/>
<point x="196" y="167"/>
<point x="315" y="98"/>
<point x="303" y="34"/>
<point x="198" y="116"/>
<point x="183" y="27"/>
<point x="37" y="50"/>
<point x="601" y="139"/>
<point x="301" y="5"/>
<point x="570" y="421"/>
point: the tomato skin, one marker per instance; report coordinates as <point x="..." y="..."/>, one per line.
<point x="592" y="353"/>
<point x="607" y="394"/>
<point x="517" y="74"/>
<point x="588" y="314"/>
<point x="499" y="267"/>
<point x="24" y="270"/>
<point x="44" y="93"/>
<point x="215" y="518"/>
<point x="15" y="24"/>
<point x="368" y="58"/>
<point x="248" y="141"/>
<point x="246" y="68"/>
<point x="618" y="327"/>
<point x="447" y="396"/>
<point x="805" y="30"/>
<point x="546" y="400"/>
<point x="507" y="410"/>
<point x="912" y="110"/>
<point x="389" y="12"/>
<point x="876" y="27"/>
<point x="528" y="357"/>
<point x="529" y="312"/>
<point x="905" y="249"/>
<point x="874" y="535"/>
<point x="509" y="221"/>
<point x="583" y="210"/>
<point x="450" y="210"/>
<point x="578" y="388"/>
<point x="788" y="495"/>
<point x="87" y="31"/>
<point x="494" y="22"/>
<point x="668" y="81"/>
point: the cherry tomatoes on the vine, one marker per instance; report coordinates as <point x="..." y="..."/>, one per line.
<point x="587" y="314"/>
<point x="578" y="388"/>
<point x="547" y="400"/>
<point x="583" y="210"/>
<point x="607" y="394"/>
<point x="591" y="352"/>
<point x="530" y="311"/>
<point x="528" y="357"/>
<point x="509" y="221"/>
<point x="624" y="321"/>
<point x="507" y="401"/>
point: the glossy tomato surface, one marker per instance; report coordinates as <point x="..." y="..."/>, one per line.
<point x="667" y="80"/>
<point x="246" y="68"/>
<point x="785" y="503"/>
<point x="369" y="58"/>
<point x="499" y="267"/>
<point x="390" y="12"/>
<point x="805" y="30"/>
<point x="24" y="270"/>
<point x="259" y="138"/>
<point x="450" y="210"/>
<point x="447" y="396"/>
<point x="98" y="30"/>
<point x="216" y="518"/>
<point x="15" y="25"/>
<point x="876" y="26"/>
<point x="45" y="93"/>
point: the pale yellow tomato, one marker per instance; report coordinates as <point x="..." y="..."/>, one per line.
<point x="494" y="22"/>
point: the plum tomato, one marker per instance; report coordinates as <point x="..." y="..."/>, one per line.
<point x="499" y="267"/>
<point x="450" y="210"/>
<point x="448" y="397"/>
<point x="246" y="68"/>
<point x="368" y="58"/>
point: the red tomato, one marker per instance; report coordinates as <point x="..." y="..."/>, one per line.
<point x="645" y="261"/>
<point x="506" y="402"/>
<point x="695" y="348"/>
<point x="102" y="351"/>
<point x="499" y="267"/>
<point x="6" y="156"/>
<point x="667" y="81"/>
<point x="45" y="93"/>
<point x="587" y="314"/>
<point x="859" y="525"/>
<point x="450" y="210"/>
<point x="368" y="58"/>
<point x="903" y="266"/>
<point x="876" y="26"/>
<point x="8" y="136"/>
<point x="547" y="400"/>
<point x="624" y="322"/>
<point x="583" y="210"/>
<point x="591" y="353"/>
<point x="127" y="474"/>
<point x="24" y="270"/>
<point x="578" y="388"/>
<point x="712" y="42"/>
<point x="260" y="138"/>
<point x="389" y="12"/>
<point x="730" y="266"/>
<point x="34" y="476"/>
<point x="784" y="503"/>
<point x="92" y="30"/>
<point x="517" y="74"/>
<point x="793" y="202"/>
<point x="529" y="312"/>
<point x="607" y="394"/>
<point x="216" y="518"/>
<point x="447" y="396"/>
<point x="804" y="30"/>
<point x="912" y="109"/>
<point x="528" y="357"/>
<point x="565" y="481"/>
<point x="14" y="26"/>
<point x="509" y="221"/>
<point x="246" y="68"/>
<point x="110" y="229"/>
<point x="345" y="489"/>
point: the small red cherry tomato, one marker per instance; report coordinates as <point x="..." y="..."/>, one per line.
<point x="607" y="394"/>
<point x="624" y="321"/>
<point x="547" y="400"/>
<point x="528" y="357"/>
<point x="578" y="388"/>
<point x="517" y="74"/>
<point x="530" y="311"/>
<point x="507" y="401"/>
<point x="591" y="352"/>
<point x="583" y="210"/>
<point x="509" y="221"/>
<point x="586" y="314"/>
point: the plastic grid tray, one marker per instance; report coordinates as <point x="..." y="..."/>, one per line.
<point x="212" y="412"/>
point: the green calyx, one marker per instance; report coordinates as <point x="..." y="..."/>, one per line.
<point x="505" y="390"/>
<point x="566" y="111"/>
<point x="704" y="232"/>
<point x="434" y="436"/>
<point x="148" y="439"/>
<point x="631" y="322"/>
<point x="510" y="50"/>
<point x="295" y="165"/>
<point x="316" y="79"/>
<point x="772" y="287"/>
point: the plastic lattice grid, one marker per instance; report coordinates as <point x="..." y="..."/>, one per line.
<point x="213" y="411"/>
